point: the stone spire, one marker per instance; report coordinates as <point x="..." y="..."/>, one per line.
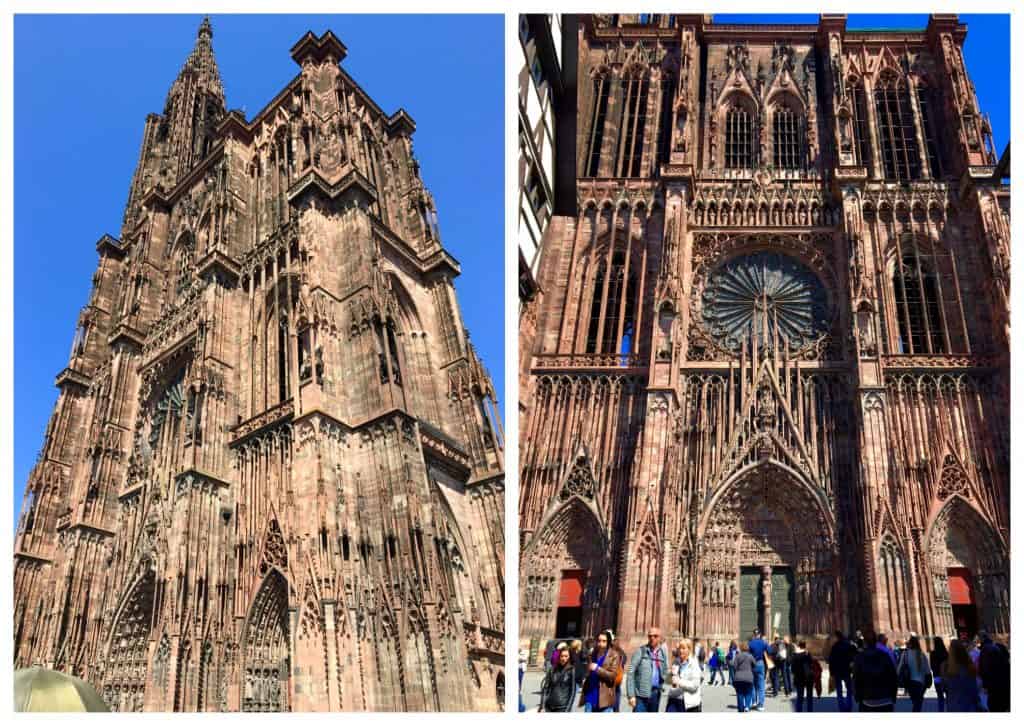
<point x="202" y="62"/>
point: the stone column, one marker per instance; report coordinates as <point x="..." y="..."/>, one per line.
<point x="766" y="605"/>
<point x="333" y="700"/>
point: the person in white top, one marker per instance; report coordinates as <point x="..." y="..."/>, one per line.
<point x="685" y="693"/>
<point x="914" y="672"/>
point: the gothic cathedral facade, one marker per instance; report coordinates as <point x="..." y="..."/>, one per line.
<point x="273" y="479"/>
<point x="768" y="385"/>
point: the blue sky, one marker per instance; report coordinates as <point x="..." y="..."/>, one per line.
<point x="83" y="87"/>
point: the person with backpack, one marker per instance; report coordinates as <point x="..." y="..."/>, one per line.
<point x="559" y="685"/>
<point x="937" y="660"/>
<point x="802" y="667"/>
<point x="743" y="664"/>
<point x="722" y="665"/>
<point x="604" y="671"/>
<point x="647" y="673"/>
<point x="874" y="677"/>
<point x="915" y="673"/>
<point x="729" y="658"/>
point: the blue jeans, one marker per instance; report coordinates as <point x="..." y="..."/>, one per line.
<point x="675" y="705"/>
<point x="649" y="704"/>
<point x="805" y="695"/>
<point x="844" y="693"/>
<point x="940" y="693"/>
<point x="744" y="692"/>
<point x="732" y="673"/>
<point x="787" y="676"/>
<point x="916" y="692"/>
<point x="759" y="684"/>
<point x="587" y="708"/>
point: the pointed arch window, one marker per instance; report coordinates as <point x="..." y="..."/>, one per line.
<point x="634" y="122"/>
<point x="861" y="130"/>
<point x="665" y="123"/>
<point x="387" y="352"/>
<point x="918" y="304"/>
<point x="896" y="135"/>
<point x="739" y="138"/>
<point x="183" y="265"/>
<point x="597" y="122"/>
<point x="929" y="103"/>
<point x="612" y="328"/>
<point x="787" y="138"/>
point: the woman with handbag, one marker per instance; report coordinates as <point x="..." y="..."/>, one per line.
<point x="604" y="672"/>
<point x="684" y="695"/>
<point x="914" y="672"/>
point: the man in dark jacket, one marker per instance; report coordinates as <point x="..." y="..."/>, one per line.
<point x="874" y="677"/>
<point x="802" y="665"/>
<point x="840" y="660"/>
<point x="559" y="686"/>
<point x="994" y="669"/>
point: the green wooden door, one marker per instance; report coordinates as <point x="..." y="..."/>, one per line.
<point x="783" y="613"/>
<point x="751" y="602"/>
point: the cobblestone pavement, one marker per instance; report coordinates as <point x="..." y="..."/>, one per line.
<point x="720" y="698"/>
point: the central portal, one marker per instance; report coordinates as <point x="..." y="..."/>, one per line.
<point x="768" y="548"/>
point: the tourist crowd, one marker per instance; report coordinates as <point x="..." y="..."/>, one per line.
<point x="969" y="675"/>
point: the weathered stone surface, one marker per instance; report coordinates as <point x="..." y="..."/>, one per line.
<point x="273" y="479"/>
<point x="802" y="371"/>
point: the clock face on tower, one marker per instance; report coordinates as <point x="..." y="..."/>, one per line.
<point x="750" y="297"/>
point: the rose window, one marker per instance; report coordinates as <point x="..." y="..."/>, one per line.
<point x="761" y="295"/>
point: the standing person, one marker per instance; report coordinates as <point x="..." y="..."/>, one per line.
<point x="915" y="672"/>
<point x="523" y="657"/>
<point x="648" y="670"/>
<point x="773" y="668"/>
<point x="700" y="654"/>
<point x="579" y="665"/>
<point x="722" y="665"/>
<point x="840" y="663"/>
<point x="743" y="677"/>
<point x="733" y="647"/>
<point x="994" y="669"/>
<point x="604" y="667"/>
<point x="937" y="660"/>
<point x="787" y="671"/>
<point x="802" y="668"/>
<point x="858" y="640"/>
<point x="961" y="680"/>
<point x="874" y="677"/>
<point x="685" y="693"/>
<point x="617" y="647"/>
<point x="758" y="648"/>
<point x="882" y="643"/>
<point x="559" y="685"/>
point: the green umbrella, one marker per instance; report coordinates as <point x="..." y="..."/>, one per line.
<point x="41" y="689"/>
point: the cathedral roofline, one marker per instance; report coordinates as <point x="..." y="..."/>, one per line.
<point x="326" y="46"/>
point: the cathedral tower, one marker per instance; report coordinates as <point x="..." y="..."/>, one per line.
<point x="273" y="478"/>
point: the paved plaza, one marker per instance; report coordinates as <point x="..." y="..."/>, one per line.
<point x="720" y="698"/>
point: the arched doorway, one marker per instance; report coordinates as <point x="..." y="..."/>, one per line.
<point x="969" y="572"/>
<point x="127" y="672"/>
<point x="766" y="558"/>
<point x="566" y="572"/>
<point x="267" y="666"/>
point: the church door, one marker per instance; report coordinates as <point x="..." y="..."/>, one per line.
<point x="783" y="611"/>
<point x="569" y="618"/>
<point x="961" y="598"/>
<point x="751" y="601"/>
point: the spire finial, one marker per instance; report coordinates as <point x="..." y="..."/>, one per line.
<point x="205" y="29"/>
